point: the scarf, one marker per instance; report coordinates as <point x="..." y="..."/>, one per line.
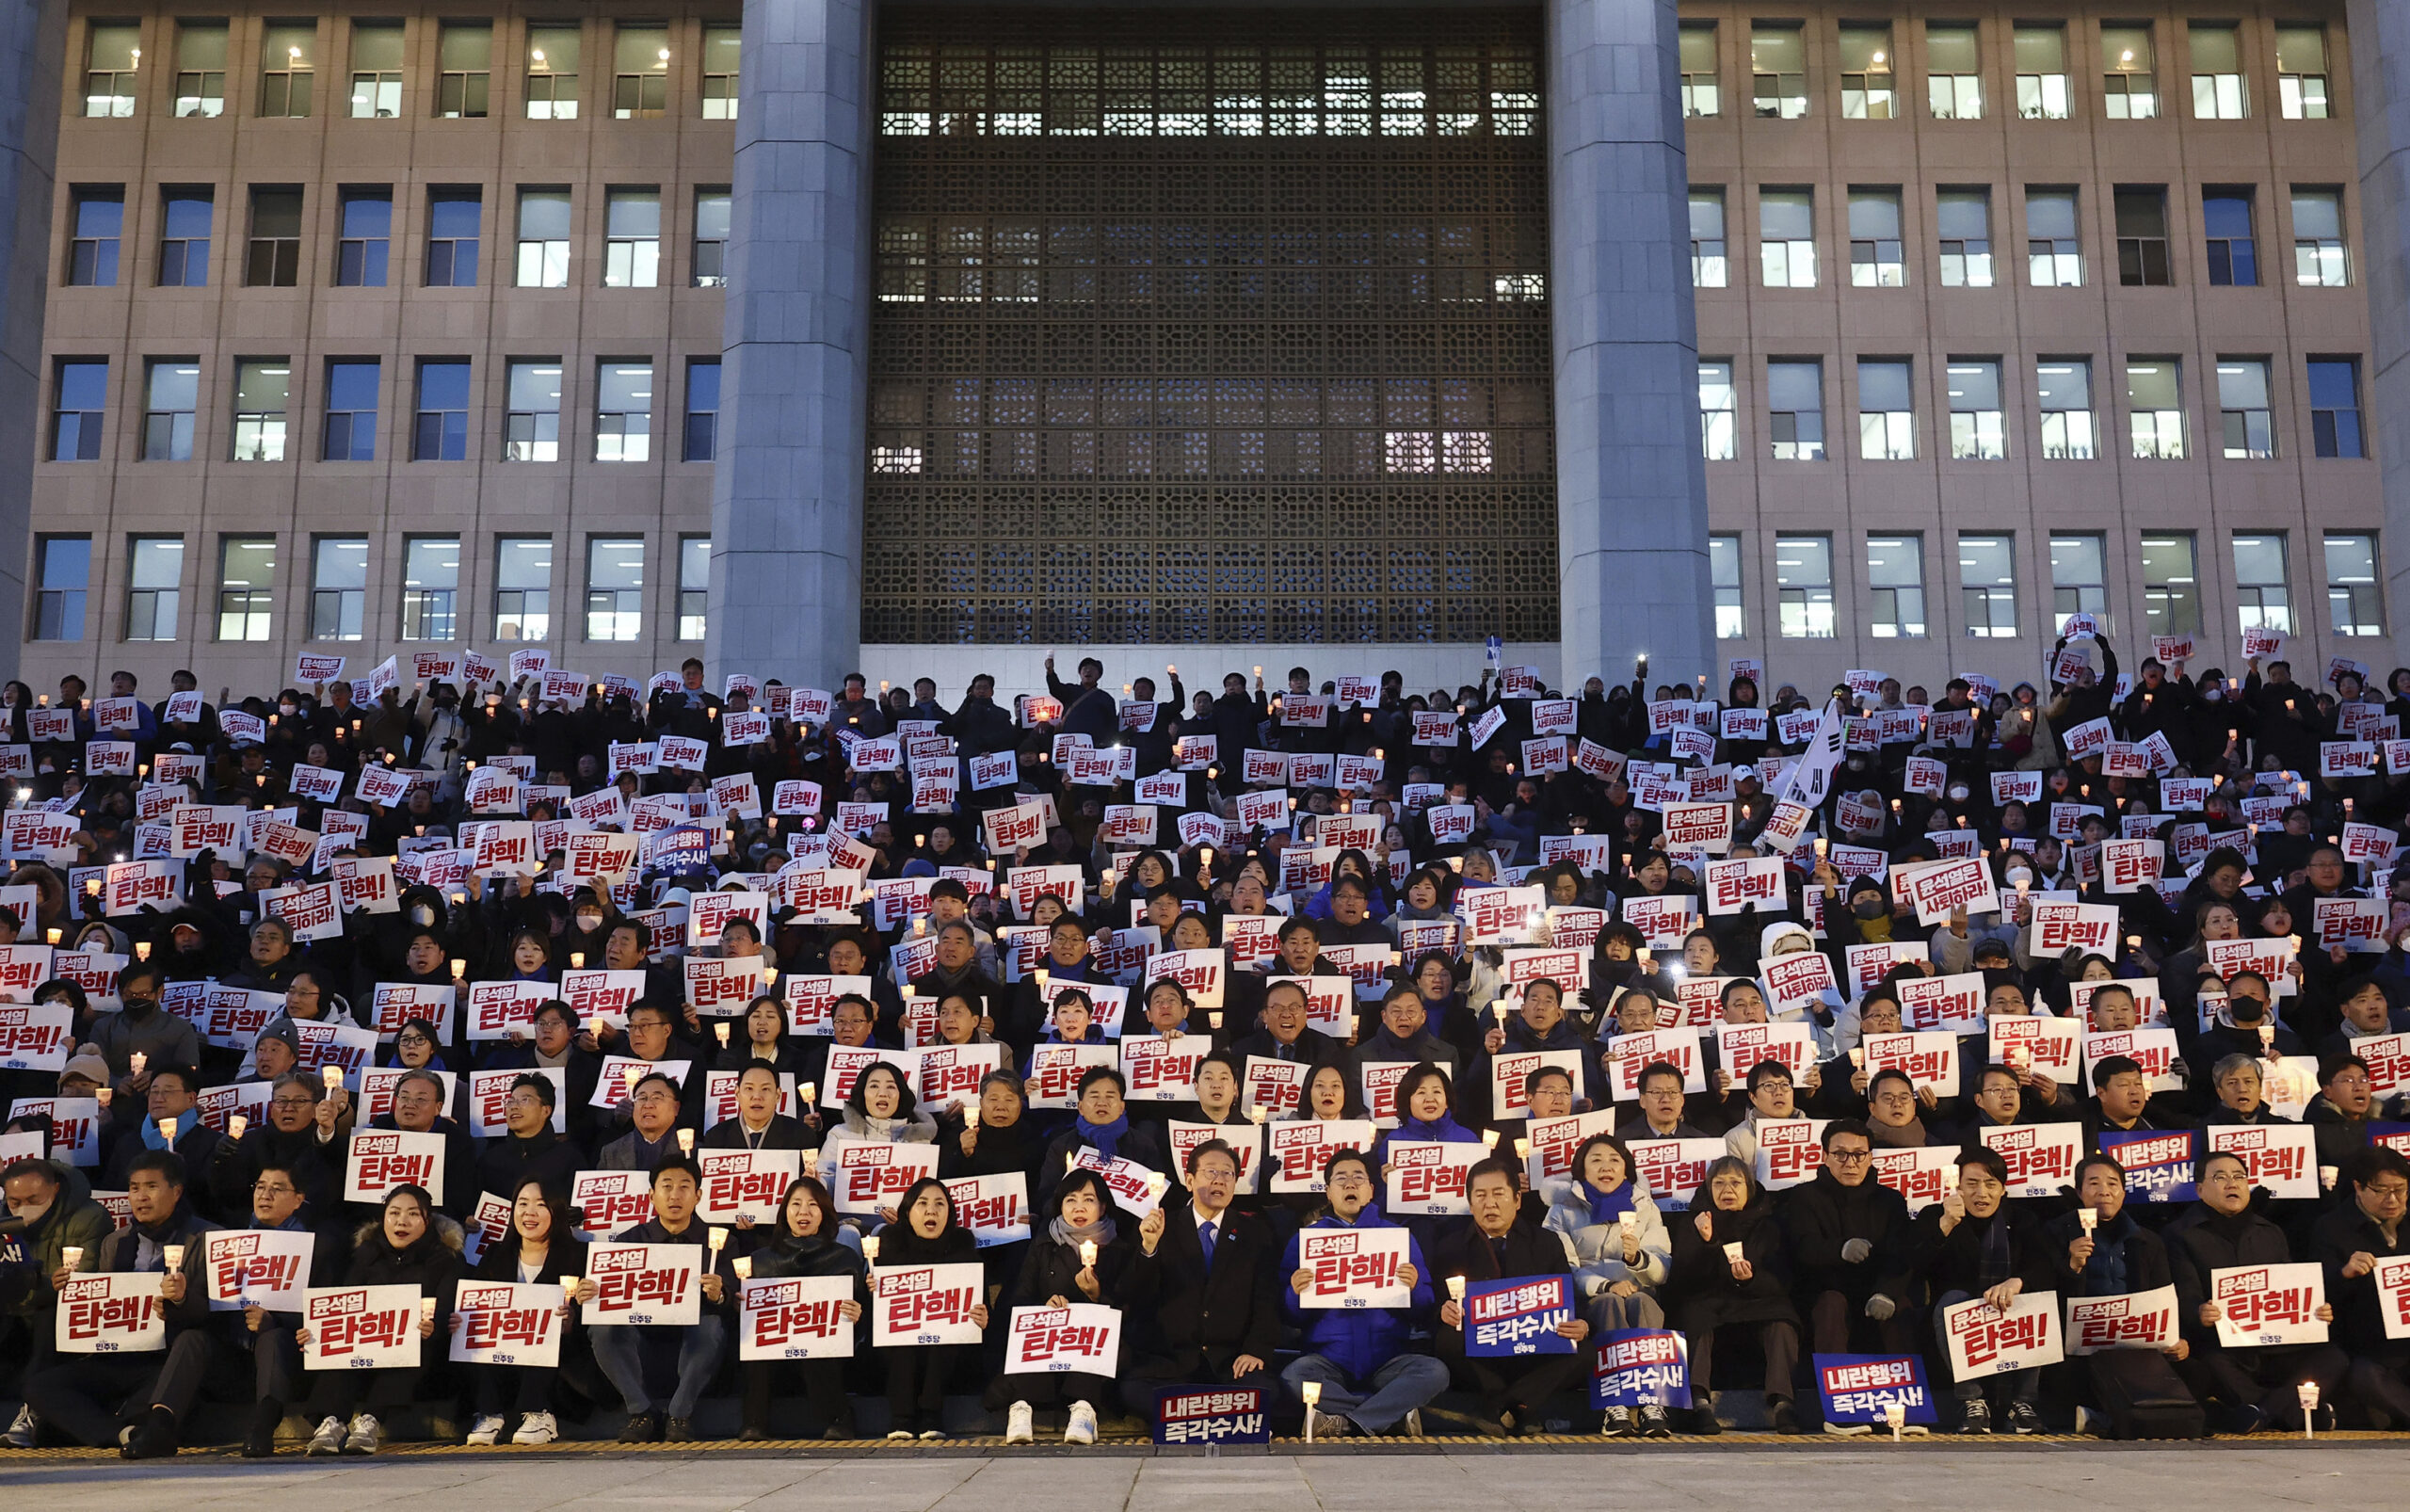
<point x="1106" y="1137"/>
<point x="1993" y="1262"/>
<point x="184" y="1122"/>
<point x="1103" y="1230"/>
<point x="1909" y="1136"/>
<point x="1610" y="1205"/>
<point x="1441" y="1130"/>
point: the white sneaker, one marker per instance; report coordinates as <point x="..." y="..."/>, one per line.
<point x="1081" y="1428"/>
<point x="488" y="1430"/>
<point x="327" y="1439"/>
<point x="1019" y="1427"/>
<point x="20" y="1433"/>
<point x="536" y="1428"/>
<point x="366" y="1437"/>
<point x="1414" y="1422"/>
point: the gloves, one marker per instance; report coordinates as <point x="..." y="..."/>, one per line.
<point x="1880" y="1308"/>
<point x="1856" y="1250"/>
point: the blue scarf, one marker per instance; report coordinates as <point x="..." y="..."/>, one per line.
<point x="1442" y="1129"/>
<point x="184" y="1122"/>
<point x="1106" y="1137"/>
<point x="1608" y="1206"/>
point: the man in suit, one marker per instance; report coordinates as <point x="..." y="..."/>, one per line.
<point x="1202" y="1288"/>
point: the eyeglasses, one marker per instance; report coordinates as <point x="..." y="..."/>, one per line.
<point x="293" y="1102"/>
<point x="272" y="1189"/>
<point x="1849" y="1154"/>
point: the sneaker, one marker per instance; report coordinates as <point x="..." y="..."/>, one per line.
<point x="901" y="1434"/>
<point x="677" y="1431"/>
<point x="2023" y="1419"/>
<point x="1617" y="1424"/>
<point x="932" y="1435"/>
<point x="366" y="1435"/>
<point x="1330" y="1425"/>
<point x="1080" y="1428"/>
<point x="1848" y="1430"/>
<point x="1018" y="1427"/>
<point x="1976" y="1417"/>
<point x="536" y="1428"/>
<point x="327" y="1439"/>
<point x="1653" y="1421"/>
<point x="1704" y="1423"/>
<point x="1413" y="1422"/>
<point x="486" y="1432"/>
<point x="20" y="1433"/>
<point x="2246" y="1420"/>
<point x="644" y="1428"/>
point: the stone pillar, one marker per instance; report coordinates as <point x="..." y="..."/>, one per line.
<point x="2380" y="44"/>
<point x="33" y="56"/>
<point x="787" y="487"/>
<point x="1631" y="487"/>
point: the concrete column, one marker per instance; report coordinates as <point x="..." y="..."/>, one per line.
<point x="2380" y="43"/>
<point x="787" y="487"/>
<point x="1630" y="488"/>
<point x="33" y="54"/>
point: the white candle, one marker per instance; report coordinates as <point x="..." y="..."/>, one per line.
<point x="167" y="1132"/>
<point x="172" y="1256"/>
<point x="70" y="1256"/>
<point x="136" y="1062"/>
<point x="235" y="1124"/>
<point x="686" y="1147"/>
<point x="1087" y="1254"/>
<point x="2090" y="1218"/>
<point x="742" y="1265"/>
<point x="716" y="1237"/>
<point x="333" y="1076"/>
<point x="1456" y="1288"/>
<point x="870" y="1251"/>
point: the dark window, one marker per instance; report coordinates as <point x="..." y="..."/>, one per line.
<point x="2142" y="236"/>
<point x="702" y="410"/>
<point x="367" y="238"/>
<point x="2225" y="220"/>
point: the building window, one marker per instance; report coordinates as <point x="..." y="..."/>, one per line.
<point x="155" y="581"/>
<point x="2300" y="74"/>
<point x="1796" y="409"/>
<point x="185" y="212"/>
<point x="1709" y="268"/>
<point x="1987" y="585"/>
<point x="702" y="410"/>
<point x="2261" y="599"/>
<point x="721" y="47"/>
<point x="375" y="69"/>
<point x="622" y="410"/>
<point x="246" y="586"/>
<point x="2062" y="393"/>
<point x="464" y="61"/>
<point x="112" y="59"/>
<point x="171" y="398"/>
<point x="711" y="237"/>
<point x="2225" y="220"/>
<point x="288" y="63"/>
<point x="522" y="588"/>
<point x="544" y="238"/>
<point x="455" y="222"/>
<point x="442" y="433"/>
<point x="1866" y="73"/>
<point x="2155" y="408"/>
<point x="1963" y="218"/>
<point x="63" y="568"/>
<point x="641" y="72"/>
<point x="2248" y="429"/>
<point x="1787" y="237"/>
<point x="99" y="225"/>
<point x="1719" y="412"/>
<point x="1702" y="91"/>
<point x="532" y="425"/>
<point x="694" y="586"/>
<point x="2079" y="579"/>
<point x="631" y="249"/>
<point x="2354" y="598"/>
<point x="79" y="408"/>
<point x="1874" y="258"/>
<point x="1977" y="425"/>
<point x="338" y="588"/>
<point x="2041" y="72"/>
<point x="1778" y="69"/>
<point x="2054" y="251"/>
<point x="351" y="409"/>
<point x="263" y="389"/>
<point x="430" y="584"/>
<point x="2218" y="93"/>
<point x="2171" y="585"/>
<point x="1723" y="574"/>
<point x="1802" y="577"/>
<point x="2335" y="406"/>
<point x="2129" y="77"/>
<point x="2320" y="261"/>
<point x="275" y="259"/>
<point x="1953" y="72"/>
<point x="613" y="589"/>
<point x="2142" y="236"/>
<point x="1895" y="586"/>
<point x="201" y="69"/>
<point x="367" y="237"/>
<point x="552" y="72"/>
<point x="1887" y="419"/>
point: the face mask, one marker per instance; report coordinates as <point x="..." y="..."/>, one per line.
<point x="285" y="709"/>
<point x="1869" y="909"/>
<point x="589" y="921"/>
<point x="1958" y="795"/>
<point x="422" y="914"/>
<point x="2212" y="694"/>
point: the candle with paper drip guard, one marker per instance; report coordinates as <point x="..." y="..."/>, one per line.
<point x="167" y="1132"/>
<point x="2307" y="1393"/>
<point x="333" y="1076"/>
<point x="720" y="1029"/>
<point x="743" y="1265"/>
<point x="716" y="1237"/>
<point x="2090" y="1218"/>
<point x="425" y="1311"/>
<point x="136" y="1062"/>
<point x="1312" y="1393"/>
<point x="70" y="1256"/>
<point x="686" y="1147"/>
<point x="870" y="1249"/>
<point x="235" y="1124"/>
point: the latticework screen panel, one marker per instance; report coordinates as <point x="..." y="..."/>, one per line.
<point x="1228" y="327"/>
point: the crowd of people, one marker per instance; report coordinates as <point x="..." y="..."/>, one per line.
<point x="1497" y="1061"/>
